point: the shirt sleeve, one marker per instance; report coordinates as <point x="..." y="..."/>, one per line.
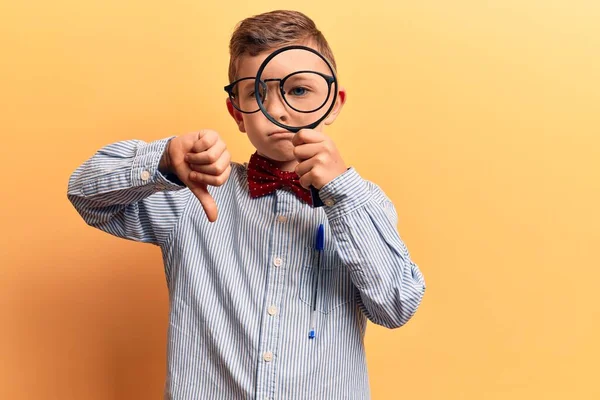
<point x="121" y="191"/>
<point x="363" y="223"/>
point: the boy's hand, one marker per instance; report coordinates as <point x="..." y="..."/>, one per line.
<point x="199" y="159"/>
<point x="319" y="160"/>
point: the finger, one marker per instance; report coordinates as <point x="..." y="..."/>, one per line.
<point x="305" y="166"/>
<point x="206" y="139"/>
<point x="208" y="156"/>
<point x="212" y="180"/>
<point x="216" y="168"/>
<point x="308" y="136"/>
<point x="208" y="203"/>
<point x="306" y="180"/>
<point x="306" y="151"/>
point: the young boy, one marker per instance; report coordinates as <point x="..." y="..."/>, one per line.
<point x="241" y="286"/>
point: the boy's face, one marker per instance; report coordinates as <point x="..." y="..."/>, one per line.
<point x="269" y="139"/>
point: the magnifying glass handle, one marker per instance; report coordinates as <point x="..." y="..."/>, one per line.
<point x="317" y="202"/>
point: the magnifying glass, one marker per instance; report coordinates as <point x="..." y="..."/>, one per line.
<point x="308" y="88"/>
<point x="306" y="83"/>
<point x="301" y="80"/>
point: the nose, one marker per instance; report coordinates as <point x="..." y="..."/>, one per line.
<point x="275" y="104"/>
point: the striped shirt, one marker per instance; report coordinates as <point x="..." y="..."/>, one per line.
<point x="241" y="288"/>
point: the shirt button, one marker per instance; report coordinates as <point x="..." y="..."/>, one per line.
<point x="282" y="218"/>
<point x="277" y="261"/>
<point x="145" y="175"/>
<point x="268" y="356"/>
<point x="272" y="310"/>
<point x="329" y="202"/>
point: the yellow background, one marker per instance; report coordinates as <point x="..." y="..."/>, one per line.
<point x="480" y="119"/>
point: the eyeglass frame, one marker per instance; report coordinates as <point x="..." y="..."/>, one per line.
<point x="328" y="79"/>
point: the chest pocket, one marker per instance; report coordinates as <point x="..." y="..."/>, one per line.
<point x="335" y="287"/>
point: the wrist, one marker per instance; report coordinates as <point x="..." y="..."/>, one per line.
<point x="164" y="166"/>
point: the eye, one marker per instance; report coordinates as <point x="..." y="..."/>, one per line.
<point x="252" y="94"/>
<point x="298" y="91"/>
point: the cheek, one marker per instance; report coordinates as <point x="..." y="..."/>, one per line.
<point x="253" y="128"/>
<point x="254" y="122"/>
<point x="250" y="119"/>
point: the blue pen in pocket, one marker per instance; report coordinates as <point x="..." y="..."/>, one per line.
<point x="319" y="246"/>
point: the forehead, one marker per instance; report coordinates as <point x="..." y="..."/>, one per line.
<point x="282" y="64"/>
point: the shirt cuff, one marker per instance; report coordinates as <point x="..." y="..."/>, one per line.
<point x="344" y="194"/>
<point x="145" y="171"/>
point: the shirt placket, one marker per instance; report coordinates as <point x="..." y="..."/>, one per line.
<point x="278" y="267"/>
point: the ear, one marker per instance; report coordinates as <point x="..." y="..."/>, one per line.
<point x="236" y="115"/>
<point x="337" y="108"/>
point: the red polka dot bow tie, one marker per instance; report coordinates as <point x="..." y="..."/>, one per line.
<point x="264" y="178"/>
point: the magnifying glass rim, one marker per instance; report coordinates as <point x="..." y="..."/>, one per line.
<point x="258" y="80"/>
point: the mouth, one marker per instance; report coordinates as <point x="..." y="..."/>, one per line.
<point x="281" y="134"/>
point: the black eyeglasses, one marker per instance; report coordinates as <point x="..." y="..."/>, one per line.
<point x="302" y="91"/>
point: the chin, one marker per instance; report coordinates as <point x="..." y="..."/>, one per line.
<point x="279" y="156"/>
<point x="279" y="153"/>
